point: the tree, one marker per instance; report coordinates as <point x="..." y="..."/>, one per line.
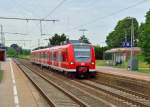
<point x="99" y="51"/>
<point x="25" y="52"/>
<point x="121" y="32"/>
<point x="16" y="47"/>
<point x="144" y="37"/>
<point x="57" y="39"/>
<point x="11" y="52"/>
<point x="83" y="39"/>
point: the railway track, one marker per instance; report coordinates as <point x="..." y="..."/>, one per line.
<point x="130" y="85"/>
<point x="134" y="92"/>
<point x="99" y="92"/>
<point x="55" y="96"/>
<point x="79" y="97"/>
<point x="132" y="98"/>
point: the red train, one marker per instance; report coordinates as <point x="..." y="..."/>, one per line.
<point x="72" y="59"/>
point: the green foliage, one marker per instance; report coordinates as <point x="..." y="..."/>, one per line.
<point x="122" y="30"/>
<point x="16" y="47"/>
<point x="16" y="51"/>
<point x="11" y="52"/>
<point x="24" y="56"/>
<point x="144" y="38"/>
<point x="57" y="39"/>
<point x="83" y="39"/>
<point x="100" y="63"/>
<point x="148" y="17"/>
<point x="99" y="51"/>
<point x="25" y="52"/>
<point x="144" y="71"/>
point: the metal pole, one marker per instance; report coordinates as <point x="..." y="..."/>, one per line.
<point x="1" y="33"/>
<point x="133" y="34"/>
<point x="131" y="38"/>
<point x="126" y="37"/>
<point x="83" y="30"/>
<point x="41" y="27"/>
<point x="2" y="36"/>
<point x="132" y="43"/>
<point x="38" y="42"/>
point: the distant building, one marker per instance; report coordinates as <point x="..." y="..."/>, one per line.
<point x="118" y="55"/>
<point x="2" y="52"/>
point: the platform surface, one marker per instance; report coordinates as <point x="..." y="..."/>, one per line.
<point x="123" y="72"/>
<point x="16" y="90"/>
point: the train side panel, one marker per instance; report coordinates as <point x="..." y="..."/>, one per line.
<point x="70" y="59"/>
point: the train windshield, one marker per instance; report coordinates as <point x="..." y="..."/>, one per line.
<point x="82" y="53"/>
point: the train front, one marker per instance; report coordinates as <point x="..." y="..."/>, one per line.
<point x="84" y="60"/>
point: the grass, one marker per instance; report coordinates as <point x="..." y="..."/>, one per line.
<point x="100" y="63"/>
<point x="144" y="71"/>
<point x="142" y="65"/>
<point x="24" y="56"/>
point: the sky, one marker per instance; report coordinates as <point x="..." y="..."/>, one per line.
<point x="99" y="17"/>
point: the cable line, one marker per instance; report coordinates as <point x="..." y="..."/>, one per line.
<point x="53" y="10"/>
<point x="27" y="19"/>
<point x="112" y="14"/>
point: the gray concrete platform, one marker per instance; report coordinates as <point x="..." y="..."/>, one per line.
<point x="16" y="90"/>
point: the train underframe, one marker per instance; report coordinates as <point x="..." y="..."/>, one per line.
<point x="81" y="72"/>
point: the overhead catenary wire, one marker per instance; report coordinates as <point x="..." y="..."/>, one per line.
<point x="15" y="33"/>
<point x="19" y="40"/>
<point x="54" y="9"/>
<point x="111" y="14"/>
<point x="27" y="19"/>
<point x="19" y="4"/>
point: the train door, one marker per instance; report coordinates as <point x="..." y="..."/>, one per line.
<point x="59" y="58"/>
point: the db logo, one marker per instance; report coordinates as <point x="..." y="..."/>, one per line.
<point x="82" y="64"/>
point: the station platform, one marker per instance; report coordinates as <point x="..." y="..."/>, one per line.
<point x="123" y="72"/>
<point x="16" y="90"/>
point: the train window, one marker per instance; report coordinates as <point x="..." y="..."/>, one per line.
<point x="51" y="55"/>
<point x="46" y="55"/>
<point x="40" y="55"/>
<point x="43" y="55"/>
<point x="59" y="56"/>
<point x="82" y="53"/>
<point x="64" y="56"/>
<point x="54" y="56"/>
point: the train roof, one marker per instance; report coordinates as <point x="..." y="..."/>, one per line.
<point x="44" y="49"/>
<point x="70" y="44"/>
<point x="61" y="46"/>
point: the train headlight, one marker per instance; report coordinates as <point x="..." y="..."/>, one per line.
<point x="71" y="63"/>
<point x="92" y="63"/>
